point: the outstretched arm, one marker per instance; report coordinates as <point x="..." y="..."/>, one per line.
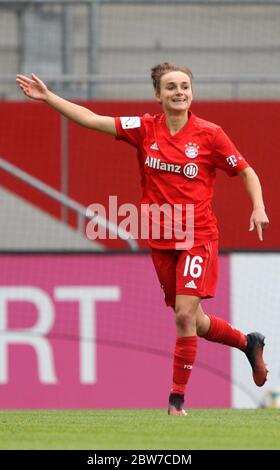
<point x="36" y="89"/>
<point x="258" y="220"/>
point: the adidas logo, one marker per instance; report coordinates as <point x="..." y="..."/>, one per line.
<point x="191" y="285"/>
<point x="154" y="146"/>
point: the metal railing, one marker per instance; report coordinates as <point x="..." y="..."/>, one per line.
<point x="234" y="81"/>
<point x="83" y="42"/>
<point x="133" y="2"/>
<point x="82" y="212"/>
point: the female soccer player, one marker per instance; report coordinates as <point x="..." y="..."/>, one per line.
<point x="178" y="154"/>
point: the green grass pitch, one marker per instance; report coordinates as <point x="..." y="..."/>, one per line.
<point x="139" y="429"/>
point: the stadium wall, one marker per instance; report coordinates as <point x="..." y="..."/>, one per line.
<point x="98" y="166"/>
<point x="92" y="331"/>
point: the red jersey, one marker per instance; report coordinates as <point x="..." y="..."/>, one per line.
<point x="181" y="168"/>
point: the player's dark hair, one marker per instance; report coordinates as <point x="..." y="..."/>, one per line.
<point x="159" y="70"/>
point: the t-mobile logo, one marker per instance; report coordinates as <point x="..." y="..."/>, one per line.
<point x="37" y="336"/>
<point x="232" y="160"/>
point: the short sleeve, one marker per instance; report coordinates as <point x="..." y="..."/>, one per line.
<point x="131" y="129"/>
<point x="226" y="156"/>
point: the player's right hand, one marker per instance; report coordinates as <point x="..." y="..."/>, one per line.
<point x="32" y="87"/>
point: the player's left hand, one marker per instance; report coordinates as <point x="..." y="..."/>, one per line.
<point x="259" y="221"/>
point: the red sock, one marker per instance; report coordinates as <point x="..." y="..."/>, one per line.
<point x="184" y="357"/>
<point x="222" y="332"/>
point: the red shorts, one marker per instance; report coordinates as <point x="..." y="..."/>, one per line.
<point x="192" y="272"/>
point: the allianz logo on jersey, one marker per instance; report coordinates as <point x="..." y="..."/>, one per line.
<point x="157" y="164"/>
<point x="190" y="170"/>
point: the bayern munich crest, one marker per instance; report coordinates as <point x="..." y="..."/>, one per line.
<point x="191" y="150"/>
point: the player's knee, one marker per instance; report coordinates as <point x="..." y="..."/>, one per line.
<point x="202" y="324"/>
<point x="200" y="329"/>
<point x="185" y="316"/>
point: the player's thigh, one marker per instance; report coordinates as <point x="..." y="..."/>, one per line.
<point x="197" y="271"/>
<point x="187" y="304"/>
<point x="165" y="262"/>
